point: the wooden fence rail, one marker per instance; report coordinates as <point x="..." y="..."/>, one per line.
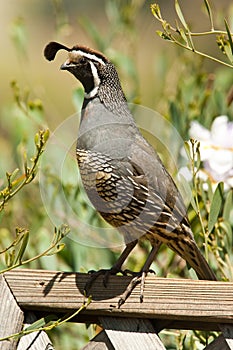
<point x="168" y="303"/>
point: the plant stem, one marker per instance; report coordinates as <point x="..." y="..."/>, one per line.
<point x="21" y="263"/>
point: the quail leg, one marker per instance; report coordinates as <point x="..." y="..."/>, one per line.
<point x="113" y="270"/>
<point x="141" y="276"/>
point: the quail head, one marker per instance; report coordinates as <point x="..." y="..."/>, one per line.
<point x="121" y="172"/>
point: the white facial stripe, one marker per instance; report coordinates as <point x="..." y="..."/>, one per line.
<point x="96" y="79"/>
<point x="95" y="74"/>
<point x="89" y="55"/>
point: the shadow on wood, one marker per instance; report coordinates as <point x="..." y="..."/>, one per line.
<point x="168" y="303"/>
<point x="188" y="304"/>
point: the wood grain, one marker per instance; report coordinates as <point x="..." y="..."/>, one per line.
<point x="203" y="303"/>
<point x="11" y="316"/>
<point x="35" y="340"/>
<point x="99" y="342"/>
<point x="131" y="333"/>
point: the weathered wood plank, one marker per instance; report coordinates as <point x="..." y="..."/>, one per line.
<point x="218" y="344"/>
<point x="178" y="300"/>
<point x="11" y="316"/>
<point x="131" y="333"/>
<point x="99" y="342"/>
<point x="227" y="332"/>
<point x="35" y="340"/>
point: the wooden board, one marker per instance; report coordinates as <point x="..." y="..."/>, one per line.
<point x="131" y="333"/>
<point x="203" y="303"/>
<point x="11" y="316"/>
<point x="35" y="340"/>
<point x="99" y="342"/>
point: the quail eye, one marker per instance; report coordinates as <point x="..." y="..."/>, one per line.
<point x="82" y="60"/>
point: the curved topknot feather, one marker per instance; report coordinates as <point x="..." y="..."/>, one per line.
<point x="52" y="48"/>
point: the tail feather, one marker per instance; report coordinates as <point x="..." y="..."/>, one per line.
<point x="188" y="250"/>
<point x="202" y="268"/>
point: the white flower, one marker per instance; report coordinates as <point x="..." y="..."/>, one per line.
<point x="216" y="148"/>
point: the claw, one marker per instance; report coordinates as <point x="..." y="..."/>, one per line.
<point x="135" y="281"/>
<point x="139" y="277"/>
<point x="113" y="271"/>
<point x="143" y="279"/>
<point x="95" y="274"/>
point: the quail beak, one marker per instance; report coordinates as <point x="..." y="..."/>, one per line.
<point x="67" y="65"/>
<point x="63" y="66"/>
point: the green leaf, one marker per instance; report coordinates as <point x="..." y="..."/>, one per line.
<point x="203" y="192"/>
<point x="46" y="134"/>
<point x="197" y="155"/>
<point x="180" y="15"/>
<point x="9" y="258"/>
<point x="226" y="227"/>
<point x="228" y="52"/>
<point x="37" y="139"/>
<point x="187" y="149"/>
<point x="163" y="35"/>
<point x="208" y="8"/>
<point x="159" y="33"/>
<point x="228" y="206"/>
<point x="215" y="206"/>
<point x="183" y="36"/>
<point x="56" y="249"/>
<point x="14" y="173"/>
<point x="229" y="36"/>
<point x="209" y="189"/>
<point x="194" y="204"/>
<point x="42" y="322"/>
<point x="25" y="238"/>
<point x="155" y="9"/>
<point x="64" y="230"/>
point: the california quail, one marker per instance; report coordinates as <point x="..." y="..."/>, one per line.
<point x="122" y="174"/>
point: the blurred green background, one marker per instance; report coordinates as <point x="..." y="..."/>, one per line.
<point x="154" y="73"/>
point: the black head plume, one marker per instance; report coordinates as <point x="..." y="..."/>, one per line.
<point x="51" y="49"/>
